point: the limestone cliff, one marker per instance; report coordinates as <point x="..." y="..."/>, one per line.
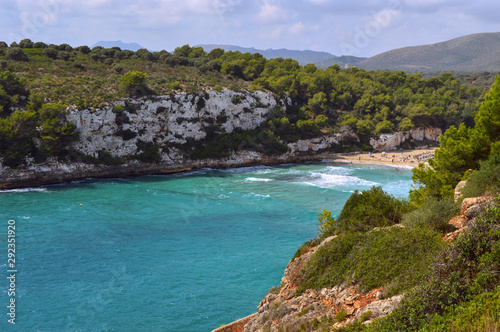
<point x="168" y="122"/>
<point x="387" y="142"/>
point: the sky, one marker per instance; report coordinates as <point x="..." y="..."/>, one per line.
<point x="341" y="27"/>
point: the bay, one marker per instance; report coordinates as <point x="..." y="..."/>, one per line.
<point x="183" y="252"/>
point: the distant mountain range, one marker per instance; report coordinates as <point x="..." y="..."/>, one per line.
<point x="303" y="57"/>
<point x="478" y="52"/>
<point x="118" y="43"/>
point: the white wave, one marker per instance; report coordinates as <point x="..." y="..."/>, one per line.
<point x="338" y="170"/>
<point x="259" y="195"/>
<point x="258" y="179"/>
<point x="334" y="181"/>
<point x="23" y="190"/>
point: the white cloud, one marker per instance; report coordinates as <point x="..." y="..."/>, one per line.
<point x="297" y="24"/>
<point x="297" y="28"/>
<point x="319" y="2"/>
<point x="271" y="13"/>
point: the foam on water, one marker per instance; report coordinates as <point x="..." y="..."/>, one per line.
<point x="23" y="190"/>
<point x="335" y="181"/>
<point x="251" y="179"/>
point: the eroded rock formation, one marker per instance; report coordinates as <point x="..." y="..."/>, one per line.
<point x="387" y="142"/>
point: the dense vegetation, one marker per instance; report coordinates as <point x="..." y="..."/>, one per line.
<point x="370" y="102"/>
<point x="39" y="132"/>
<point x="461" y="149"/>
<point x="443" y="283"/>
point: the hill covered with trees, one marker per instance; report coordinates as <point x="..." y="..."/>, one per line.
<point x="322" y="100"/>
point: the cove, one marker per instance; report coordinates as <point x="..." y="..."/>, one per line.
<point x="183" y="252"/>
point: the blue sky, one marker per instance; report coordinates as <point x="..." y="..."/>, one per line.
<point x="354" y="27"/>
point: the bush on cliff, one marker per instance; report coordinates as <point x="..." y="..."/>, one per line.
<point x="435" y="214"/>
<point x="463" y="274"/>
<point x="365" y="210"/>
<point x="133" y="84"/>
<point x="41" y="131"/>
<point x="485" y="181"/>
<point x="396" y="258"/>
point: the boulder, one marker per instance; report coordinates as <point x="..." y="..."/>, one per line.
<point x="472" y="207"/>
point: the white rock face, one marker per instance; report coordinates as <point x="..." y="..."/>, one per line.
<point x="164" y="121"/>
<point x="168" y="119"/>
<point x="386" y="142"/>
<point x="313" y="144"/>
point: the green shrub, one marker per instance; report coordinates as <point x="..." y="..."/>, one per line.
<point x="396" y="258"/>
<point x="16" y="137"/>
<point x="134" y="83"/>
<point x="341" y="316"/>
<point x="365" y="316"/>
<point x="326" y="224"/>
<point x="175" y="86"/>
<point x="467" y="269"/>
<point x="106" y="158"/>
<point x="485" y="181"/>
<point x="150" y="152"/>
<point x="481" y="313"/>
<point x="56" y="132"/>
<point x="51" y="53"/>
<point x="236" y="99"/>
<point x="434" y="214"/>
<point x="79" y="65"/>
<point x="17" y="54"/>
<point x="370" y="208"/>
<point x="83" y="49"/>
<point x="26" y="43"/>
<point x="117" y="68"/>
<point x="64" y="55"/>
<point x="39" y="45"/>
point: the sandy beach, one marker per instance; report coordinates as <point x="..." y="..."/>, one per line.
<point x="405" y="159"/>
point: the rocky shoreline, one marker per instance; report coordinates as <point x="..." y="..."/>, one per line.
<point x="54" y="172"/>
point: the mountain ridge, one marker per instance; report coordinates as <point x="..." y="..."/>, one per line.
<point x="476" y="52"/>
<point x="118" y="43"/>
<point x="302" y="56"/>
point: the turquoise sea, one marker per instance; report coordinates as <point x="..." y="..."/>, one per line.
<point x="182" y="252"/>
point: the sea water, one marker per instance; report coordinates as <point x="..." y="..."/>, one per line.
<point x="183" y="252"/>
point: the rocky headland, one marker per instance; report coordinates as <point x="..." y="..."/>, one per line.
<point x="283" y="309"/>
